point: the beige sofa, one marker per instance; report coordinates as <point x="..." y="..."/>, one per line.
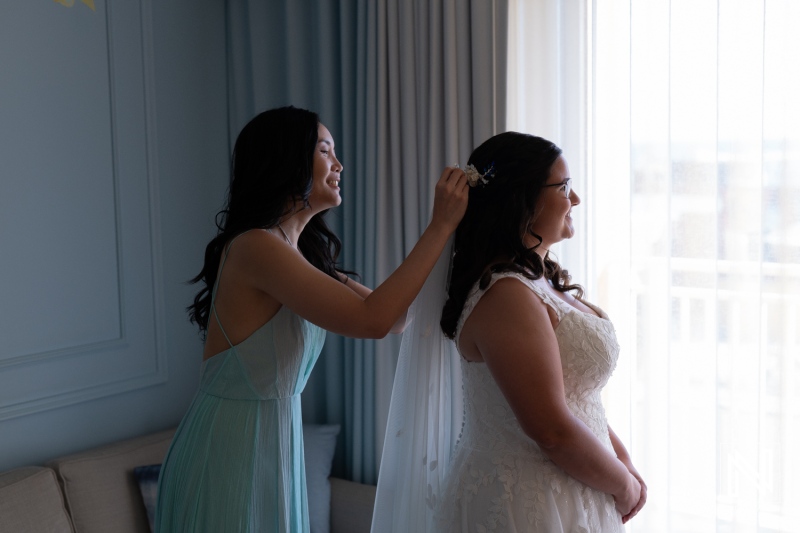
<point x="95" y="492"/>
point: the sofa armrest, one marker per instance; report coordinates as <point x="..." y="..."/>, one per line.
<point x="351" y="506"/>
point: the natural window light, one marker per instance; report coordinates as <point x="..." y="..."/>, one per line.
<point x="681" y="123"/>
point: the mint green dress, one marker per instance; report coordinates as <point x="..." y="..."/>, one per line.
<point x="236" y="462"/>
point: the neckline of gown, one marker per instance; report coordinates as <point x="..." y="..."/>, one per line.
<point x="555" y="329"/>
<point x="601" y="315"/>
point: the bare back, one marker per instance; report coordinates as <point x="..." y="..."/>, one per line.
<point x="241" y="306"/>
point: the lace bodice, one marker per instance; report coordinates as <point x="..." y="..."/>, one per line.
<point x="501" y="480"/>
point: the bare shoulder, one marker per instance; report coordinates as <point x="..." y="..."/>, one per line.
<point x="254" y="242"/>
<point x="260" y="250"/>
<point x="508" y="313"/>
<point x="263" y="261"/>
<point x="509" y="297"/>
<point x="510" y="331"/>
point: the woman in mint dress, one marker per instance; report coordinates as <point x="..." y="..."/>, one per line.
<point x="271" y="288"/>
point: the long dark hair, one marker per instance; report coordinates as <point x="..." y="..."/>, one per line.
<point x="489" y="238"/>
<point x="272" y="165"/>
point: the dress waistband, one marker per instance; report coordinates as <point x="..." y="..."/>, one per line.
<point x="247" y="395"/>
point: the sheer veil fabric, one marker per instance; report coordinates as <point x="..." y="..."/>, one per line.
<point x="425" y="415"/>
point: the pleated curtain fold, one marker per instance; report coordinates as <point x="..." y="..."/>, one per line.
<point x="405" y="87"/>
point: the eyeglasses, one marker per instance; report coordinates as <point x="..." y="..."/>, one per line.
<point x="565" y="184"/>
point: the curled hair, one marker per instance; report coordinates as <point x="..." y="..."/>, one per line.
<point x="490" y="237"/>
<point x="271" y="168"/>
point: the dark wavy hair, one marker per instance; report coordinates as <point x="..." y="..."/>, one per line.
<point x="272" y="165"/>
<point x="489" y="238"/>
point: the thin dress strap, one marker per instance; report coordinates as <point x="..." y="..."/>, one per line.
<point x="216" y="286"/>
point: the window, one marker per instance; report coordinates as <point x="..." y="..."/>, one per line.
<point x="684" y="119"/>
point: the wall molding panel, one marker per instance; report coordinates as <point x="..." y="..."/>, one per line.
<point x="80" y="282"/>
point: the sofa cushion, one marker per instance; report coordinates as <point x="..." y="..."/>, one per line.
<point x="351" y="506"/>
<point x="99" y="486"/>
<point x="30" y="502"/>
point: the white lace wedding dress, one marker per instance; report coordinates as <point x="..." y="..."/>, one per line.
<point x="499" y="480"/>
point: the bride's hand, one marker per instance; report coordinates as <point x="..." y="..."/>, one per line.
<point x="627" y="499"/>
<point x="642" y="497"/>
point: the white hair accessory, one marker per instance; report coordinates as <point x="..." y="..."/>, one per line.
<point x="474" y="177"/>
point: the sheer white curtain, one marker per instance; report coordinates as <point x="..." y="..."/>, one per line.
<point x="696" y="135"/>
<point x="548" y="92"/>
<point x="691" y="198"/>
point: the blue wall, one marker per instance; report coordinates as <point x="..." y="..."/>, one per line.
<point x="113" y="161"/>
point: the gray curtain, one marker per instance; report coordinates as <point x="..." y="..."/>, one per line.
<point x="441" y="78"/>
<point x="312" y="54"/>
<point x="405" y="87"/>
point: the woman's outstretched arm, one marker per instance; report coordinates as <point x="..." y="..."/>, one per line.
<point x="364" y="291"/>
<point x="272" y="266"/>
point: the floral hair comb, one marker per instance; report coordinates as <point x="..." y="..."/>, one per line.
<point x="474" y="178"/>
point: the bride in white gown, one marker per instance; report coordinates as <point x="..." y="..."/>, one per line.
<point x="535" y="452"/>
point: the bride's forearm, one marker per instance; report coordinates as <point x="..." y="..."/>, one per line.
<point x="581" y="454"/>
<point x="619" y="448"/>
